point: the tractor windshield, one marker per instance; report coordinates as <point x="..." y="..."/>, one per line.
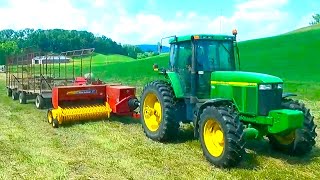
<point x="215" y="55"/>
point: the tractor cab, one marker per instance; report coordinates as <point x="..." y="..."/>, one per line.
<point x="197" y="56"/>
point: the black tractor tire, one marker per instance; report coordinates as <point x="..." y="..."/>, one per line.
<point x="303" y="139"/>
<point x="14" y="95"/>
<point x="9" y="92"/>
<point x="232" y="140"/>
<point x="55" y="123"/>
<point x="22" y="98"/>
<point x="168" y="127"/>
<point x="40" y="102"/>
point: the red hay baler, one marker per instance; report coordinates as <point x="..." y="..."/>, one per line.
<point x="91" y="102"/>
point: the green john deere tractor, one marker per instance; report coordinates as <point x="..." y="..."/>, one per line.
<point x="226" y="106"/>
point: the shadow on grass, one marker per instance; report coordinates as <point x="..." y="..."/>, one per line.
<point x="255" y="149"/>
<point x="263" y="148"/>
<point x="127" y="120"/>
<point x="185" y="134"/>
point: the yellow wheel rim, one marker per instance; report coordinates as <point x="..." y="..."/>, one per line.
<point x="152" y="112"/>
<point x="50" y="117"/>
<point x="287" y="139"/>
<point x="213" y="137"/>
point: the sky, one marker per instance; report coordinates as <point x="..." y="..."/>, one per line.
<point x="147" y="21"/>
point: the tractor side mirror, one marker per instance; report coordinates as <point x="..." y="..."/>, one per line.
<point x="155" y="67"/>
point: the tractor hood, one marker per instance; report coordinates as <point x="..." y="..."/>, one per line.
<point x="240" y="76"/>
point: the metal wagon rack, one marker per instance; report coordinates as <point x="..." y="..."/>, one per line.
<point x="32" y="76"/>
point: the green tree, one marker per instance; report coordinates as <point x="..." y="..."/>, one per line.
<point x="59" y="40"/>
<point x="316" y="19"/>
<point x="7" y="48"/>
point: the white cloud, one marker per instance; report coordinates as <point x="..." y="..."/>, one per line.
<point x="144" y="28"/>
<point x="262" y="4"/>
<point x="42" y="14"/>
<point x="256" y="17"/>
<point x="99" y="3"/>
<point x="179" y="14"/>
<point x="191" y="15"/>
<point x="260" y="10"/>
<point x="253" y="18"/>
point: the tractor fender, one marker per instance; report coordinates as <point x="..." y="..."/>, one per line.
<point x="285" y="95"/>
<point x="201" y="106"/>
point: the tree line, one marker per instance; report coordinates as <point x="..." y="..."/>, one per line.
<point x="59" y="40"/>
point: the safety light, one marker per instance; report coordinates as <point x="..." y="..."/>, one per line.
<point x="196" y="37"/>
<point x="234" y="32"/>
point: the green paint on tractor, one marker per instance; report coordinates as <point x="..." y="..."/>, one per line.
<point x="225" y="105"/>
<point x="241" y="76"/>
<point x="174" y="79"/>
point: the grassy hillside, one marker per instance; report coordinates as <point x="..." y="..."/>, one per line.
<point x="101" y="59"/>
<point x="307" y="28"/>
<point x="292" y="56"/>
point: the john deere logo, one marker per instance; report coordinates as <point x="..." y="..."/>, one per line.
<point x="93" y="91"/>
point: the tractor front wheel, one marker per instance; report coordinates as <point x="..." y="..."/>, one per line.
<point x="157" y="111"/>
<point x="221" y="137"/>
<point x="299" y="141"/>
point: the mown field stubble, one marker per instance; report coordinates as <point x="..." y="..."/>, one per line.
<point x="117" y="148"/>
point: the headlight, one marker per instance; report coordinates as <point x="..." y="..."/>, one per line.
<point x="265" y="87"/>
<point x="280" y="86"/>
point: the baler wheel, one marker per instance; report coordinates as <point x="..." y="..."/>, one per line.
<point x="49" y="116"/>
<point x="22" y="98"/>
<point x="300" y="141"/>
<point x="40" y="103"/>
<point x="221" y="137"/>
<point x="14" y="95"/>
<point x="55" y="123"/>
<point x="157" y="111"/>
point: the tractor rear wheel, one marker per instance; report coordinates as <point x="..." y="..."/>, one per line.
<point x="221" y="137"/>
<point x="299" y="141"/>
<point x="157" y="111"/>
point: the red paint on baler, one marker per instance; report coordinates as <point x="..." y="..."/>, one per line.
<point x="77" y="93"/>
<point x="79" y="81"/>
<point x="118" y="97"/>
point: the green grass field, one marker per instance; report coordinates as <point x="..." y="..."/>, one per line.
<point x="117" y="148"/>
<point x="101" y="59"/>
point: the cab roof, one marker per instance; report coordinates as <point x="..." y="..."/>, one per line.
<point x="202" y="36"/>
